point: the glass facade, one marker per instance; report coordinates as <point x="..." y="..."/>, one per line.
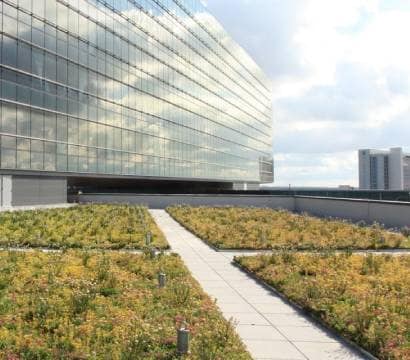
<point x="147" y="88"/>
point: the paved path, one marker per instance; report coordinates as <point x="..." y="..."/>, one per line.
<point x="269" y="327"/>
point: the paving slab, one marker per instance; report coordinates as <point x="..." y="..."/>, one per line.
<point x="325" y="351"/>
<point x="268" y="326"/>
<point x="261" y="332"/>
<point x="305" y="333"/>
<point x="288" y="319"/>
<point x="277" y="350"/>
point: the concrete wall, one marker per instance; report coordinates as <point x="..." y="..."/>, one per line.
<point x="162" y="201"/>
<point x="355" y="210"/>
<point x="5" y="190"/>
<point x="31" y="190"/>
<point x="389" y="213"/>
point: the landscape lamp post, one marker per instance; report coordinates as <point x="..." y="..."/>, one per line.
<point x="148" y="237"/>
<point x="183" y="340"/>
<point x="162" y="279"/>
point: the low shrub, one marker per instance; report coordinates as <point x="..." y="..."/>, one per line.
<point x="254" y="228"/>
<point x="405" y="231"/>
<point x="115" y="313"/>
<point x="83" y="226"/>
<point x="365" y="298"/>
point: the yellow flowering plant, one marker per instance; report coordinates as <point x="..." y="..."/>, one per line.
<point x="364" y="298"/>
<point x="83" y="226"/>
<point x="93" y="305"/>
<point x="255" y="228"/>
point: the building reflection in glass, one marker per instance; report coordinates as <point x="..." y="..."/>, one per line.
<point x="138" y="88"/>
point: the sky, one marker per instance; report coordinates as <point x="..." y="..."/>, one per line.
<point x="340" y="79"/>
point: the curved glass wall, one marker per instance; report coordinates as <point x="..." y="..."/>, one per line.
<point x="124" y="87"/>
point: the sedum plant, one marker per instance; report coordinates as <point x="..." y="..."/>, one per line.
<point x="255" y="228"/>
<point x="364" y="298"/>
<point x="105" y="306"/>
<point x="83" y="226"/>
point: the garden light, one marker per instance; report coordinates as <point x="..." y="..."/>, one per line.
<point x="148" y="238"/>
<point x="183" y="340"/>
<point x="162" y="280"/>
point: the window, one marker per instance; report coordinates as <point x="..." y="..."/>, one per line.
<point x="37" y="35"/>
<point x="73" y="75"/>
<point x="50" y="156"/>
<point x="73" y="130"/>
<point x="61" y="157"/>
<point x="61" y="128"/>
<point x="23" y="153"/>
<point x="50" y="131"/>
<point x="50" y="41"/>
<point x="37" y="124"/>
<point x="9" y="117"/>
<point x="62" y="16"/>
<point x="9" y="51"/>
<point x="72" y="158"/>
<point x="24" y="57"/>
<point x="83" y="132"/>
<point x="51" y="11"/>
<point x="23" y="121"/>
<point x="26" y="4"/>
<point x="38" y="9"/>
<point x="8" y="152"/>
<point x="37" y="151"/>
<point x="9" y="25"/>
<point x="38" y="62"/>
<point x="62" y="71"/>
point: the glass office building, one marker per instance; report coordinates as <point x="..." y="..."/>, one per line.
<point x="144" y="89"/>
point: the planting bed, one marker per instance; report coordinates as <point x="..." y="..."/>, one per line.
<point x="88" y="305"/>
<point x="364" y="298"/>
<point x="257" y="229"/>
<point x="85" y="226"/>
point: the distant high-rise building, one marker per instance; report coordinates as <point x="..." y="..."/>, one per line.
<point x="384" y="169"/>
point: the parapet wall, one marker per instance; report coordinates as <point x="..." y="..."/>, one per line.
<point x="389" y="213"/>
<point x="163" y="201"/>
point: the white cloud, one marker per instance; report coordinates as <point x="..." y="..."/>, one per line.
<point x="382" y="44"/>
<point x="340" y="72"/>
<point x="316" y="169"/>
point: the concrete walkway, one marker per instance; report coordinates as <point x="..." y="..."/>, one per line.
<point x="270" y="328"/>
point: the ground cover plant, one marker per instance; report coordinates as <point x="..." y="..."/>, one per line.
<point x="255" y="228"/>
<point x="83" y="226"/>
<point x="92" y="305"/>
<point x="365" y="298"/>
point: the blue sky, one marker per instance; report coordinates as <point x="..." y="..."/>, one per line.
<point x="340" y="75"/>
